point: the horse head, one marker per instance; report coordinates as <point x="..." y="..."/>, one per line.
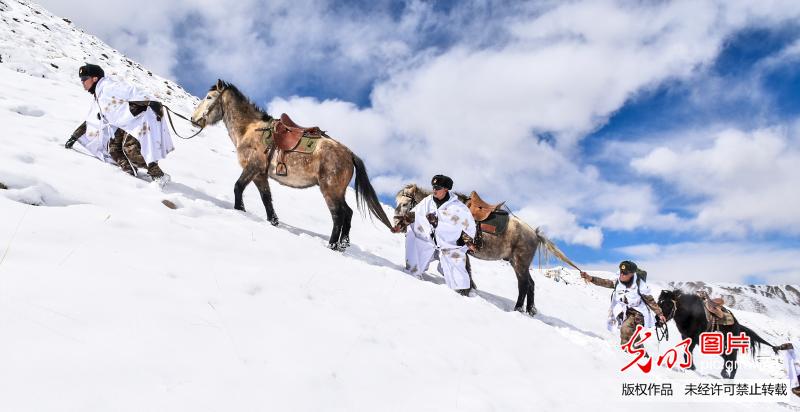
<point x="209" y="111"/>
<point x="668" y="302"/>
<point x="405" y="200"/>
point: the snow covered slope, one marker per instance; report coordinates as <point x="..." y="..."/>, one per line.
<point x="111" y="301"/>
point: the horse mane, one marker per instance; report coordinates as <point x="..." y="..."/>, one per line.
<point x="241" y="96"/>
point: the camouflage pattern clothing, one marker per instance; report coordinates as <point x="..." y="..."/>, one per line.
<point x="628" y="327"/>
<point x="127" y="153"/>
<point x="632" y="317"/>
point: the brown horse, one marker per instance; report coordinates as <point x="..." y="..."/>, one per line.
<point x="330" y="166"/>
<point x="517" y="245"/>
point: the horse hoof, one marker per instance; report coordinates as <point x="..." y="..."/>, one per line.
<point x="532" y="311"/>
<point x="274" y="221"/>
<point x="335" y="247"/>
<point x="344" y="243"/>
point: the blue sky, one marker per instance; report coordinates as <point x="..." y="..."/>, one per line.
<point x="663" y="132"/>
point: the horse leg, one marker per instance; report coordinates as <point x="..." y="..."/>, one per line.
<point x="336" y="233"/>
<point x="337" y="212"/>
<point x="521" y="264"/>
<point x="522" y="286"/>
<point x="469" y="272"/>
<point x="262" y="183"/>
<point x="730" y="366"/>
<point x="248" y="173"/>
<point x="333" y="190"/>
<point x="692" y="344"/>
<point x="347" y="220"/>
<point x="531" y="308"/>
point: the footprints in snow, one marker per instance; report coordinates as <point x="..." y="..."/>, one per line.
<point x="34" y="193"/>
<point x="27" y="111"/>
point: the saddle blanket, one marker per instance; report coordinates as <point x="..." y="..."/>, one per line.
<point x="496" y="224"/>
<point x="305" y="145"/>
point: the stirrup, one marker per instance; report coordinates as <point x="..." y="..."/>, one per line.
<point x="280" y="169"/>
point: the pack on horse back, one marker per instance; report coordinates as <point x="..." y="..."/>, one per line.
<point x="284" y="136"/>
<point x="489" y="218"/>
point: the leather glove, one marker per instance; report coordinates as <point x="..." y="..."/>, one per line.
<point x="70" y="142"/>
<point x="158" y="109"/>
<point x="432" y="219"/>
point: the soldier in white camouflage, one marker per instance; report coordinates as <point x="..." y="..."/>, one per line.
<point x="632" y="303"/>
<point x="124" y="125"/>
<point x="791" y="360"/>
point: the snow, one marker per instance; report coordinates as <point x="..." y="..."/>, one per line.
<point x="111" y="301"/>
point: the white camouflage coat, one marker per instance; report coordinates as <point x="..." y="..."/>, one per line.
<point x="454" y="218"/>
<point x="629" y="297"/>
<point x="791" y="359"/>
<point x="110" y="111"/>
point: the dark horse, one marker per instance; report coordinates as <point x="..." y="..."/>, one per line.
<point x="517" y="245"/>
<point x="690" y="318"/>
<point x="330" y="166"/>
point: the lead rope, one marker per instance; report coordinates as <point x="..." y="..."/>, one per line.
<point x="172" y="124"/>
<point x="662" y="332"/>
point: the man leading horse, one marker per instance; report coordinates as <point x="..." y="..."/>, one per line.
<point x="124" y="125"/>
<point x="441" y="228"/>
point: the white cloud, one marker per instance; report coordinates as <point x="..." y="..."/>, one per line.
<point x="558" y="223"/>
<point x="475" y="105"/>
<point x="748" y="181"/>
<point x="716" y="262"/>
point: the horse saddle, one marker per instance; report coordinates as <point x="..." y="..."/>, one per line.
<point x="479" y="208"/>
<point x="287" y="133"/>
<point x="287" y="136"/>
<point x="717" y="314"/>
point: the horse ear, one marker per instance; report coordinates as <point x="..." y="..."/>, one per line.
<point x="220" y="84"/>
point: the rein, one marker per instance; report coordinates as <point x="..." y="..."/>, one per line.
<point x="172" y="123"/>
<point x="205" y="113"/>
<point x="662" y="332"/>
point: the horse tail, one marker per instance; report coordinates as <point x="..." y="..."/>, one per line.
<point x="551" y="247"/>
<point x="754" y="339"/>
<point x="365" y="194"/>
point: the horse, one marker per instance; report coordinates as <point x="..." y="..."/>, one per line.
<point x="687" y="310"/>
<point x="330" y="166"/>
<point x="517" y="245"/>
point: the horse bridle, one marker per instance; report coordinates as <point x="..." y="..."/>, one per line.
<point x="674" y="309"/>
<point x="212" y="104"/>
<point x="411" y="204"/>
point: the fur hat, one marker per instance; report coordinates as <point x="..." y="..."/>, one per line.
<point x="91" y="70"/>
<point x="443" y="181"/>
<point x="626" y="266"/>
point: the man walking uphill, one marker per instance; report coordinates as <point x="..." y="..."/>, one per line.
<point x="124" y="124"/>
<point x="441" y="228"/>
<point x="632" y="303"/>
